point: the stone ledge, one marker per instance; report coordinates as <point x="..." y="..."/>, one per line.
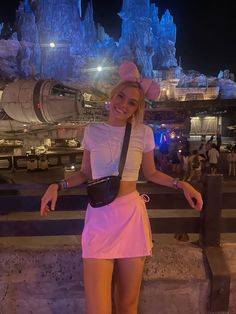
<point x="175" y="261"/>
<point x="45" y="280"/>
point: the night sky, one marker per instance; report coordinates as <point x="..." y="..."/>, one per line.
<point x="206" y="29"/>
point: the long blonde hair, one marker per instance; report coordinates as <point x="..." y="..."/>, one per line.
<point x="139" y="115"/>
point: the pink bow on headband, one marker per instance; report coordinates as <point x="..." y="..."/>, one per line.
<point x="129" y="72"/>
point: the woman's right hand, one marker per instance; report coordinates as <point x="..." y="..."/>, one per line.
<point x="50" y="196"/>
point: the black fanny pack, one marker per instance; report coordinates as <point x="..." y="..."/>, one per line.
<point x="104" y="190"/>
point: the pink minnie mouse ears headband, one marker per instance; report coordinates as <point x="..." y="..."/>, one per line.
<point x="128" y="71"/>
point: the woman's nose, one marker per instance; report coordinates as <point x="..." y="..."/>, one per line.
<point x="124" y="103"/>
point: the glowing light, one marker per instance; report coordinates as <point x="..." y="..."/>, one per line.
<point x="52" y="45"/>
<point x="100" y="68"/>
<point x="172" y="135"/>
<point x="161" y="137"/>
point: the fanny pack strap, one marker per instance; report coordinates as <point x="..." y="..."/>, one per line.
<point x="124" y="148"/>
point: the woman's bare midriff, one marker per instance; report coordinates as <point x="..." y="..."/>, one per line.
<point x="127" y="187"/>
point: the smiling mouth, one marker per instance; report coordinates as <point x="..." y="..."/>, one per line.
<point x="119" y="110"/>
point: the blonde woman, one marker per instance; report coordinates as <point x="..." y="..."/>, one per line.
<point x="117" y="237"/>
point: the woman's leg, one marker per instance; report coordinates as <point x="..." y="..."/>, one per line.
<point x="214" y="169"/>
<point x="198" y="175"/>
<point x="97" y="284"/>
<point x="128" y="277"/>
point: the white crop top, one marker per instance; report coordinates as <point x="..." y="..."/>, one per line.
<point x="104" y="142"/>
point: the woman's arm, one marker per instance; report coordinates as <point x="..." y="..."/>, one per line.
<point x="152" y="174"/>
<point x="84" y="174"/>
<point x="81" y="176"/>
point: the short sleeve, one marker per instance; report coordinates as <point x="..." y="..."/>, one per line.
<point x="86" y="140"/>
<point x="149" y="143"/>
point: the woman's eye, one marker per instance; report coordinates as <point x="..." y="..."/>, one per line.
<point x="132" y="103"/>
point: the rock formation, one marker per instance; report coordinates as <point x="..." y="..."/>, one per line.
<point x="54" y="41"/>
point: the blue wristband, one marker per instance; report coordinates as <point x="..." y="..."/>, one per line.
<point x="62" y="185"/>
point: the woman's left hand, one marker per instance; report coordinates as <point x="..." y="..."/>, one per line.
<point x="192" y="195"/>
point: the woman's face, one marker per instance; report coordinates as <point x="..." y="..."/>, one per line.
<point x="124" y="104"/>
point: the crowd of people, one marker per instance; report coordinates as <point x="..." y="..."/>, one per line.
<point x="189" y="164"/>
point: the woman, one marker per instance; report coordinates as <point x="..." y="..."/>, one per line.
<point x="213" y="155"/>
<point x="117" y="237"/>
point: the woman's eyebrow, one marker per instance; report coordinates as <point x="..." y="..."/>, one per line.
<point x="133" y="99"/>
<point x="130" y="99"/>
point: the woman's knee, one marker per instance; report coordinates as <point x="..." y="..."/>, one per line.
<point x="126" y="305"/>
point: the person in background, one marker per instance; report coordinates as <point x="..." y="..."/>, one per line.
<point x="208" y="146"/>
<point x="195" y="164"/>
<point x="202" y="152"/>
<point x="213" y="156"/>
<point x="117" y="237"/>
<point x="186" y="165"/>
<point x="163" y="156"/>
<point x="175" y="156"/>
<point x="231" y="158"/>
<point x="218" y="141"/>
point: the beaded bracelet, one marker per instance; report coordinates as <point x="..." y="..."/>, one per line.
<point x="175" y="183"/>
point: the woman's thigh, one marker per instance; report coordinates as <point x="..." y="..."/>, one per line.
<point x="128" y="277"/>
<point x="97" y="284"/>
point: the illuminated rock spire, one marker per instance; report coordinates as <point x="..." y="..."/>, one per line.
<point x="148" y="41"/>
<point x="139" y="7"/>
<point x="136" y="34"/>
<point x="90" y="30"/>
<point x="27" y="6"/>
<point x="79" y="8"/>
